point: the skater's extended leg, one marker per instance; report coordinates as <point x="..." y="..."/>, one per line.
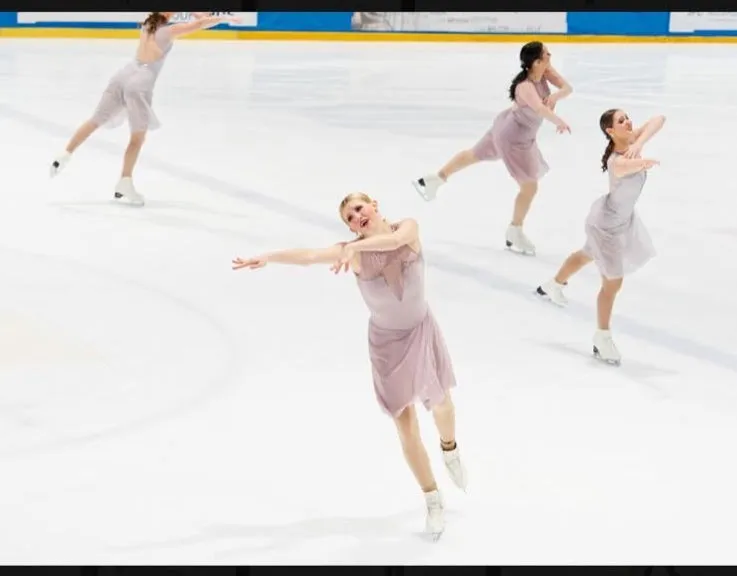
<point x="79" y="137"/>
<point x="553" y="289"/>
<point x="428" y="185"/>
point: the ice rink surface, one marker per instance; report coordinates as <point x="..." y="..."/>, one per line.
<point x="156" y="407"/>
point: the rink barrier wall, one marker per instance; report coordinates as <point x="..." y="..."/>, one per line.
<point x="591" y="27"/>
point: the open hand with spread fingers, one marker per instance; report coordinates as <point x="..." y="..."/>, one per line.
<point x="344" y="262"/>
<point x="252" y="263"/>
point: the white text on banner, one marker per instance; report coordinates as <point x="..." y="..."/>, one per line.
<point x="689" y="22"/>
<point x="481" y="22"/>
<point x="248" y="19"/>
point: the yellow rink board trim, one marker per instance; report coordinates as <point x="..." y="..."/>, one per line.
<point x="118" y="33"/>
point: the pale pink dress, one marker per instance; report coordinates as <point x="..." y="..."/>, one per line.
<point x="513" y="139"/>
<point x="616" y="238"/>
<point x="129" y="94"/>
<point x="409" y="358"/>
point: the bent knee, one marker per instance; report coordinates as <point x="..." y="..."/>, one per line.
<point x="445" y="406"/>
<point x="137" y="139"/>
<point x="611" y="285"/>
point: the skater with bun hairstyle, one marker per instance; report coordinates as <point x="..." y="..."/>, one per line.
<point x="513" y="138"/>
<point x="616" y="239"/>
<point x="129" y="94"/>
<point x="409" y="358"/>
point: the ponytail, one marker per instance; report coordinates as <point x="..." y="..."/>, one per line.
<point x="518" y="79"/>
<point x="607" y="154"/>
<point x="154" y="21"/>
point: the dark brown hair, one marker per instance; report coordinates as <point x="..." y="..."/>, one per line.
<point x="527" y="55"/>
<point x="154" y="21"/>
<point x="607" y="121"/>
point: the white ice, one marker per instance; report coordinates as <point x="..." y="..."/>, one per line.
<point x="157" y="407"/>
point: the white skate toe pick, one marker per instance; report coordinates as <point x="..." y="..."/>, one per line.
<point x="59" y="163"/>
<point x="428" y="186"/>
<point x="605" y="349"/>
<point x="126" y="192"/>
<point x="517" y="241"/>
<point x="553" y="292"/>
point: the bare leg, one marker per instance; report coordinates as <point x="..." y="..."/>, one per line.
<point x="131" y="153"/>
<point x="414" y="451"/>
<point x="445" y="421"/>
<point x="459" y="162"/>
<point x="83" y="132"/>
<point x="571" y="266"/>
<point x="527" y="192"/>
<point x="605" y="301"/>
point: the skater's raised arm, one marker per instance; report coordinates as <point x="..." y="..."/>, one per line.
<point x="648" y="129"/>
<point x="199" y="24"/>
<point x="527" y="93"/>
<point x="297" y="257"/>
<point x="554" y="77"/>
<point x="407" y="232"/>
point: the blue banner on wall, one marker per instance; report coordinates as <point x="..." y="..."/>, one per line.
<point x="631" y="24"/>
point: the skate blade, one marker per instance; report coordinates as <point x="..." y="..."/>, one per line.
<point x="124" y="200"/>
<point x="434" y="536"/>
<point x="598" y="356"/>
<point x="421" y="191"/>
<point x="545" y="297"/>
<point x="55" y="169"/>
<point x="514" y="249"/>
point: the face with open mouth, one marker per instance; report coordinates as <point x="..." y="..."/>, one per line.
<point x="359" y="215"/>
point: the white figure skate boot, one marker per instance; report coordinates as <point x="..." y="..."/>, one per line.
<point x="59" y="163"/>
<point x="517" y="240"/>
<point x="435" y="520"/>
<point x="553" y="291"/>
<point x="428" y="186"/>
<point x="127" y="192"/>
<point x="457" y="471"/>
<point x="604" y="348"/>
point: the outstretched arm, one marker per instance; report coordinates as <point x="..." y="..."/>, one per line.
<point x="199" y="23"/>
<point x="297" y="257"/>
<point x="625" y="166"/>
<point x="407" y="232"/>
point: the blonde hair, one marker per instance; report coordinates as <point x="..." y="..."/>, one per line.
<point x="353" y="196"/>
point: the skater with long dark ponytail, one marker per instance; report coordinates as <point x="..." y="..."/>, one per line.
<point x="513" y="138"/>
<point x="616" y="239"/>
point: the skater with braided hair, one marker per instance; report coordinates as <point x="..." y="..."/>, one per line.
<point x="129" y="94"/>
<point x="616" y="239"/>
<point x="409" y="358"/>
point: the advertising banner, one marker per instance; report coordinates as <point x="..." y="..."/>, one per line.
<point x="462" y="22"/>
<point x="248" y="19"/>
<point x="690" y="22"/>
